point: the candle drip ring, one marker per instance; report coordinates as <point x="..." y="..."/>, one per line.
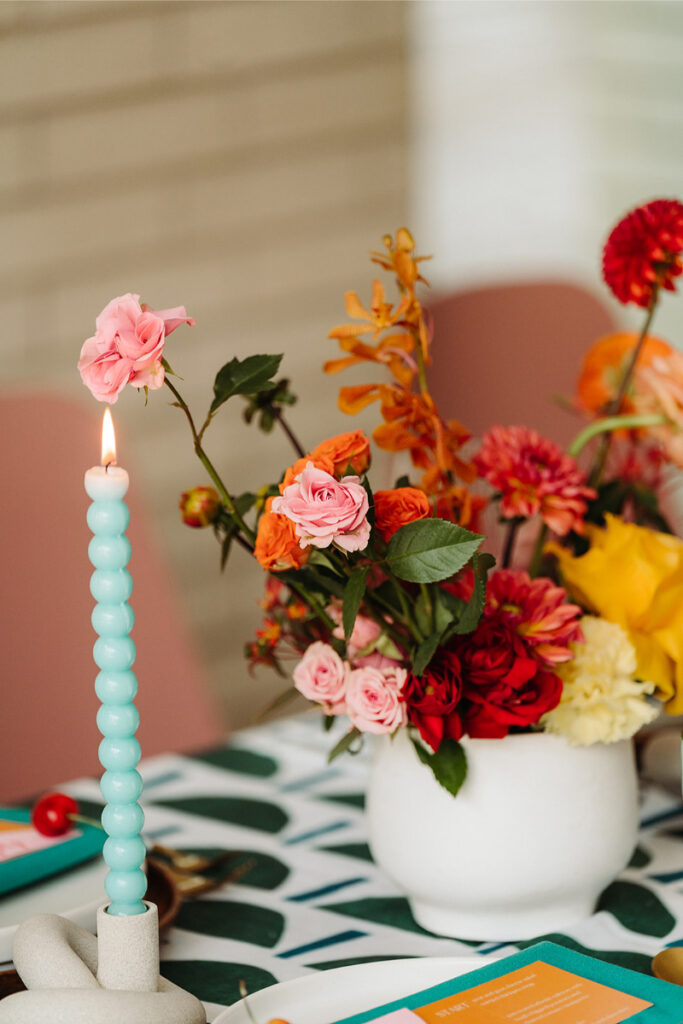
<point x="73" y="976"/>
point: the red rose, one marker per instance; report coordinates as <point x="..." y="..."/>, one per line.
<point x="502" y="686"/>
<point x="432" y="699"/>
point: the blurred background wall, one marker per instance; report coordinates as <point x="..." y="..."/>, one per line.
<point x="242" y="158"/>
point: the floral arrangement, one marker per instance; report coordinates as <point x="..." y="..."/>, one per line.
<point x="386" y="600"/>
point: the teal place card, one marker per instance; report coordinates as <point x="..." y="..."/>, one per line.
<point x="647" y="1000"/>
<point x="27" y="857"/>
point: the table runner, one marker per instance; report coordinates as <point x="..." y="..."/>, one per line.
<point x="313" y="899"/>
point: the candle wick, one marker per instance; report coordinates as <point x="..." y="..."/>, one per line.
<point x="112" y="462"/>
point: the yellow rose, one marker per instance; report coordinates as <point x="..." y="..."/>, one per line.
<point x="634" y="576"/>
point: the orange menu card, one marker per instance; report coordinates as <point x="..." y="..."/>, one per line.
<point x="534" y="994"/>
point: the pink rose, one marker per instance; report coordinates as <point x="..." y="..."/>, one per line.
<point x="127" y="347"/>
<point x="373" y="699"/>
<point x="325" y="510"/>
<point x="366" y="632"/>
<point x="321" y="676"/>
<point x="376" y="660"/>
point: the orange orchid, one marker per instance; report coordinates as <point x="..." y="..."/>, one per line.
<point x="378" y="318"/>
<point x="394" y="351"/>
<point x="399" y="258"/>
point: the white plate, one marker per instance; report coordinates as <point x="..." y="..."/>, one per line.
<point x="332" y="995"/>
<point x="75" y="894"/>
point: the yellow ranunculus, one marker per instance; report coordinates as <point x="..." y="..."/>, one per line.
<point x="634" y="576"/>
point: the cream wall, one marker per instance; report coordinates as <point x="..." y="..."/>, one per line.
<point x="240" y="158"/>
<point x="536" y="126"/>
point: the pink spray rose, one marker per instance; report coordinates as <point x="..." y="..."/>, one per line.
<point x="325" y="510"/>
<point x="366" y="632"/>
<point x="373" y="699"/>
<point x="321" y="676"/>
<point x="127" y="347"/>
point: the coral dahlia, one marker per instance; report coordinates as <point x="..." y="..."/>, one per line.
<point x="644" y="251"/>
<point x="538" y="611"/>
<point x="534" y="476"/>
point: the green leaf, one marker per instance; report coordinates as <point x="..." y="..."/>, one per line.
<point x="431" y="614"/>
<point x="344" y="744"/>
<point x="353" y="597"/>
<point x="425" y="653"/>
<point x="430" y="550"/>
<point x="216" y="981"/>
<point x="472" y="611"/>
<point x="403" y="481"/>
<point x="448" y="764"/>
<point x="240" y="760"/>
<point x="637" y="909"/>
<point x="262" y="815"/>
<point x="243" y="377"/>
<point x="230" y="919"/>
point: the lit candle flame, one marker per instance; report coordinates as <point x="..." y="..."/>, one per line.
<point x="108" y="440"/>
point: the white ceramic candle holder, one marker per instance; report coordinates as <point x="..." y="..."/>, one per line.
<point x="73" y="977"/>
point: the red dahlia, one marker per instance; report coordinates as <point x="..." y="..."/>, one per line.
<point x="644" y="251"/>
<point x="534" y="476"/>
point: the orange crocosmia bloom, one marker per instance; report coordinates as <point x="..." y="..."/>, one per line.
<point x="459" y="505"/>
<point x="277" y="545"/>
<point x="604" y="365"/>
<point x="378" y="318"/>
<point x="347" y="452"/>
<point x="394" y="351"/>
<point x="412" y="423"/>
<point x="293" y="471"/>
<point x="397" y="507"/>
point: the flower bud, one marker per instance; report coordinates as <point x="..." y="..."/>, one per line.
<point x="199" y="506"/>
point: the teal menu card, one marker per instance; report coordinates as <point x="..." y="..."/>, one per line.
<point x="27" y="857"/>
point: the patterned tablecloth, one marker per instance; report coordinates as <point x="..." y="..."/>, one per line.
<point x="313" y="899"/>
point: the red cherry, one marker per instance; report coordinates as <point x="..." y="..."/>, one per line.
<point x="51" y="815"/>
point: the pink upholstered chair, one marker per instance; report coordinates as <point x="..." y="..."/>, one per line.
<point x="502" y="353"/>
<point x="47" y="701"/>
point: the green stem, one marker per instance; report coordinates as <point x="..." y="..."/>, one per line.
<point x="421" y="375"/>
<point x="277" y="413"/>
<point x="313" y="602"/>
<point x="226" y="498"/>
<point x="404" y="607"/>
<point x="615" y="405"/>
<point x="513" y="526"/>
<point x="609" y="423"/>
<point x="537" y="556"/>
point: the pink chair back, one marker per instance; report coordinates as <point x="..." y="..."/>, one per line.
<point x="503" y="353"/>
<point x="47" y="700"/>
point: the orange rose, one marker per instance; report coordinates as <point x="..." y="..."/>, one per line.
<point x="393" y="509"/>
<point x="277" y="545"/>
<point x="292" y="472"/>
<point x="345" y="451"/>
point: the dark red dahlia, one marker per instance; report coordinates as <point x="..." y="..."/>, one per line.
<point x="644" y="251"/>
<point x="432" y="699"/>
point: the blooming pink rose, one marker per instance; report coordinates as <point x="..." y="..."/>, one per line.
<point x="373" y="699"/>
<point x="326" y="510"/>
<point x="376" y="660"/>
<point x="321" y="676"/>
<point x="366" y="632"/>
<point x="127" y="347"/>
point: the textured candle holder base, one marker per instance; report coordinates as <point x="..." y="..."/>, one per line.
<point x="73" y="977"/>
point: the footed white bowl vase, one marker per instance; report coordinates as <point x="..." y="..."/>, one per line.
<point x="537" y="831"/>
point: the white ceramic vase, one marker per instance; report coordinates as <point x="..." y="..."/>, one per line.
<point x="537" y="831"/>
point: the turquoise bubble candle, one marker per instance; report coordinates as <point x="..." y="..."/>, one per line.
<point x="116" y="686"/>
